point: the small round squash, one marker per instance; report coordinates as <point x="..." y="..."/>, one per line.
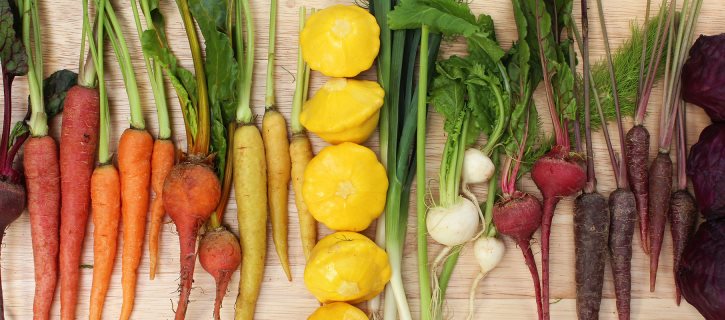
<point x="338" y="311"/>
<point x="340" y="41"/>
<point x="346" y="267"/>
<point x="345" y="187"/>
<point x="344" y="110"/>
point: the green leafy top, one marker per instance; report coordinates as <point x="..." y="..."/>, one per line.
<point x="220" y="69"/>
<point x="471" y="92"/>
<point x="154" y="21"/>
<point x="549" y="19"/>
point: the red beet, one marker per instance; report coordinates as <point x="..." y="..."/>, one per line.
<point x="12" y="202"/>
<point x="220" y="255"/>
<point x="518" y="216"/>
<point x="557" y="175"/>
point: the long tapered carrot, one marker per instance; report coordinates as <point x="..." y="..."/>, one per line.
<point x="162" y="160"/>
<point x="276" y="146"/>
<point x="106" y="205"/>
<point x="78" y="142"/>
<point x="134" y="164"/>
<point x="42" y="173"/>
<point x="250" y="175"/>
<point x="105" y="202"/>
<point x="164" y="154"/>
<point x="42" y="179"/>
<point x="301" y="151"/>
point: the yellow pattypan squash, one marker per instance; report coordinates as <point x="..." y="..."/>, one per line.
<point x="345" y="187"/>
<point x="340" y="41"/>
<point x="344" y="110"/>
<point x="338" y="311"/>
<point x="346" y="267"/>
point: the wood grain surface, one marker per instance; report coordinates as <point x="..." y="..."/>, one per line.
<point x="505" y="294"/>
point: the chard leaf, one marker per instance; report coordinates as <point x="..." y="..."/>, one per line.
<point x="21" y="128"/>
<point x="445" y="16"/>
<point x="218" y="141"/>
<point x="209" y="14"/>
<point x="13" y="56"/>
<point x="158" y="20"/>
<point x="221" y="73"/>
<point x="55" y="88"/>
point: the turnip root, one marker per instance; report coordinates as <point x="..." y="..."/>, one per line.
<point x="454" y="225"/>
<point x="489" y="252"/>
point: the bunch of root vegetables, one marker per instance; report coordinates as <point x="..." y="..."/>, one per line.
<point x="485" y="95"/>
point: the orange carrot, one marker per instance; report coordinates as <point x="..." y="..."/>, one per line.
<point x="42" y="178"/>
<point x="78" y="141"/>
<point x="134" y="162"/>
<point x="106" y="206"/>
<point x="162" y="160"/>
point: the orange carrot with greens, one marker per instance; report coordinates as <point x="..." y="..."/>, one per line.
<point x="42" y="171"/>
<point x="105" y="200"/>
<point x="134" y="164"/>
<point x="78" y="143"/>
<point x="164" y="153"/>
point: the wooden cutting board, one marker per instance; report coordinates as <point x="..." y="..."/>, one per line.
<point x="505" y="294"/>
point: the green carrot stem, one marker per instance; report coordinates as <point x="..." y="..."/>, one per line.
<point x="155" y="73"/>
<point x="38" y="119"/>
<point x="423" y="271"/>
<point x="301" y="83"/>
<point x="201" y="141"/>
<point x="269" y="102"/>
<point x="118" y="42"/>
<point x="96" y="61"/>
<point x="244" y="13"/>
<point x="87" y="73"/>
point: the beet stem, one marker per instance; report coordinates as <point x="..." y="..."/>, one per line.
<point x="653" y="65"/>
<point x="2" y="299"/>
<point x="549" y="208"/>
<point x="5" y="163"/>
<point x="525" y="246"/>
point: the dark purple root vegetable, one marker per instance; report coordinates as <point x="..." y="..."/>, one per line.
<point x="683" y="217"/>
<point x="557" y="175"/>
<point x="518" y="217"/>
<point x="591" y="233"/>
<point x="12" y="202"/>
<point x="637" y="150"/>
<point x="700" y="276"/>
<point x="703" y="76"/>
<point x="660" y="190"/>
<point x="622" y="207"/>
<point x="706" y="168"/>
